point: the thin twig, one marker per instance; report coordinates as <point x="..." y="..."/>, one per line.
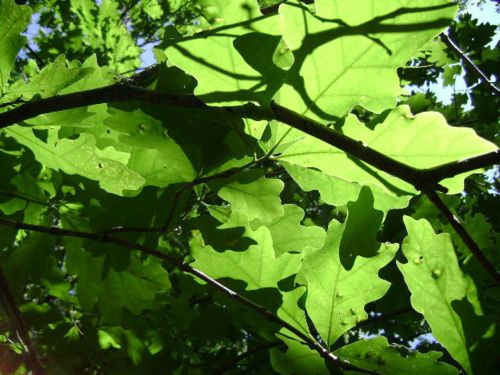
<point x="34" y="363"/>
<point x="464" y="235"/>
<point x="185" y="267"/>
<point x="467" y="61"/>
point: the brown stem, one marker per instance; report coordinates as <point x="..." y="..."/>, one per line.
<point x="464" y="235"/>
<point x="185" y="267"/>
<point x="34" y="363"/>
<point x="467" y="61"/>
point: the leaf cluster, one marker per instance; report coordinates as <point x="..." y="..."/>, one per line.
<point x="267" y="198"/>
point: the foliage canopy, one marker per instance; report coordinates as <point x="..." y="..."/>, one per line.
<point x="266" y="198"/>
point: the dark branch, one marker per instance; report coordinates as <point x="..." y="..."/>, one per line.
<point x="114" y="93"/>
<point x="421" y="179"/>
<point x="467" y="61"/>
<point x="414" y="176"/>
<point x="185" y="267"/>
<point x="466" y="238"/>
<point x="34" y="363"/>
<point x="455" y="168"/>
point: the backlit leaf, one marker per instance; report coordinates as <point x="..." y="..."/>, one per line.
<point x="435" y="281"/>
<point x="336" y="296"/>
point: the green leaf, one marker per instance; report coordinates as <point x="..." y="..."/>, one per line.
<point x="77" y="117"/>
<point x="290" y="311"/>
<point x="360" y="215"/>
<point x="289" y="236"/>
<point x="153" y="9"/>
<point x="257" y="266"/>
<point x="336" y="296"/>
<point x="337" y="192"/>
<point x="78" y="156"/>
<point x="298" y="359"/>
<point x="257" y="196"/>
<point x="31" y="199"/>
<point x="378" y="355"/>
<point x="218" y="237"/>
<point x="159" y="160"/>
<point x="13" y="21"/>
<point x="134" y="288"/>
<point x="31" y="261"/>
<point x="62" y="77"/>
<point x="241" y="61"/>
<point x="436" y="51"/>
<point x="481" y="232"/>
<point x="102" y="28"/>
<point x="347" y="55"/>
<point x="435" y="280"/>
<point x="401" y="136"/>
<point x="118" y="337"/>
<point x="53" y="79"/>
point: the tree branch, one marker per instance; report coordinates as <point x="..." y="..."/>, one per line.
<point x="185" y="267"/>
<point x="113" y="93"/>
<point x="422" y="179"/>
<point x="457" y="167"/>
<point x="120" y="92"/>
<point x="467" y="61"/>
<point x="34" y="363"/>
<point x="406" y="173"/>
<point x="466" y="238"/>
